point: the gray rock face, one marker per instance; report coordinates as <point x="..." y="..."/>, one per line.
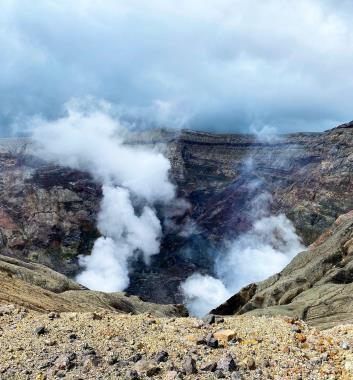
<point x="307" y="175"/>
<point x="315" y="286"/>
<point x="48" y="213"/>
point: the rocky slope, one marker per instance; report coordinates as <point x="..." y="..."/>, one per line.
<point x="316" y="286"/>
<point x="48" y="213"/>
<point x="39" y="288"/>
<point x="107" y="345"/>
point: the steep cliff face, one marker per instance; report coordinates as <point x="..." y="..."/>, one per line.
<point x="308" y="175"/>
<point x="48" y="213"/>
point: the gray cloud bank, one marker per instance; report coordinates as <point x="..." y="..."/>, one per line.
<point x="203" y="64"/>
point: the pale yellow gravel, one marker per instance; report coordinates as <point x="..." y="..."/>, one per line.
<point x="278" y="352"/>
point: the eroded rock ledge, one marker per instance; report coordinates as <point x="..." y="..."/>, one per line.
<point x="39" y="288"/>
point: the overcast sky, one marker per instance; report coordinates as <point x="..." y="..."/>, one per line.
<point x="204" y="64"/>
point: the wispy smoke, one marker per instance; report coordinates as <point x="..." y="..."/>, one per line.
<point x="265" y="249"/>
<point x="134" y="178"/>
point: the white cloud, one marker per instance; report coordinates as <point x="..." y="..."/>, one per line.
<point x="221" y="64"/>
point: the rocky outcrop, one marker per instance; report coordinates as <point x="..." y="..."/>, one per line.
<point x="39" y="288"/>
<point x="317" y="286"/>
<point x="48" y="213"/>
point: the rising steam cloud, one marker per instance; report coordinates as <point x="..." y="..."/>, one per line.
<point x="254" y="256"/>
<point x="262" y="251"/>
<point x="88" y="139"/>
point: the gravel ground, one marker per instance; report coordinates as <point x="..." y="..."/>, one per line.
<point x="106" y="345"/>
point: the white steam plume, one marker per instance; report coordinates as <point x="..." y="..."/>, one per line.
<point x="259" y="253"/>
<point x="92" y="141"/>
<point x="253" y="256"/>
<point x="203" y="293"/>
<point x="264" y="250"/>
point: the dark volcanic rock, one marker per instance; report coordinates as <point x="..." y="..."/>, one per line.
<point x="209" y="367"/>
<point x="189" y="365"/>
<point x="40" y="330"/>
<point x="227" y="363"/>
<point x="211" y="341"/>
<point x="162" y="357"/>
<point x="209" y="319"/>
